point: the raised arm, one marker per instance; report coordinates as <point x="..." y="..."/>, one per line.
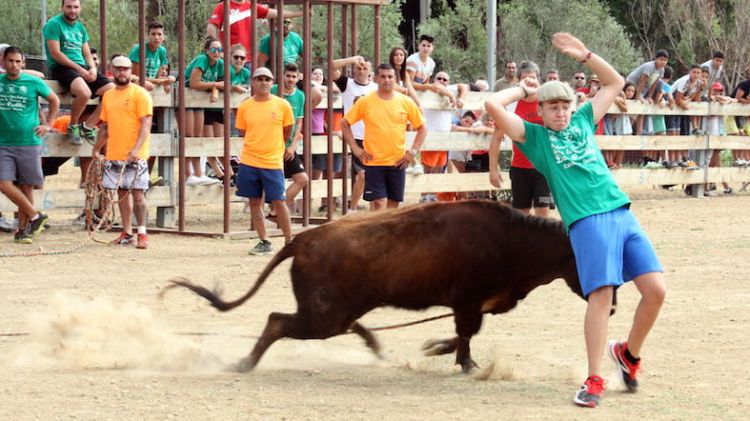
<point x="612" y="82"/>
<point x="343" y="62"/>
<point x="507" y="122"/>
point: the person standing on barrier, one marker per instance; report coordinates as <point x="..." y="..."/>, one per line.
<point x="609" y="245"/>
<point x="385" y="113"/>
<point x="266" y="121"/>
<point x="127" y="112"/>
<point x="66" y="43"/>
<point x="20" y="143"/>
<point x="529" y="187"/>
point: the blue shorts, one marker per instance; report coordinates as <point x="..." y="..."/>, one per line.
<point x="253" y="181"/>
<point x="384" y="182"/>
<point x="611" y="248"/>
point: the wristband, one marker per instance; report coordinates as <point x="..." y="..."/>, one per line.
<point x="588" y="56"/>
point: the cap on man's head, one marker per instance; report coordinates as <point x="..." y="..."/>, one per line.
<point x="121" y="61"/>
<point x="287" y="20"/>
<point x="261" y="72"/>
<point x="555" y="90"/>
<point x="717" y="86"/>
<point x="594" y="77"/>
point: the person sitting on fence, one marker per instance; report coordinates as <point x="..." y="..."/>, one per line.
<point x="20" y="142"/>
<point x="609" y="245"/>
<point x="267" y="122"/>
<point x="529" y="187"/>
<point x="204" y="73"/>
<point x="66" y="44"/>
<point x="156" y="58"/>
<point x="293" y="167"/>
<point x="647" y="81"/>
<point x="127" y="112"/>
<point x="293" y="44"/>
<point x="386" y="114"/>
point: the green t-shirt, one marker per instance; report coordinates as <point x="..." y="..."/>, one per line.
<point x="297" y="101"/>
<point x="293" y="46"/>
<point x="239" y="78"/>
<point x="71" y="38"/>
<point x="213" y="73"/>
<point x="19" y="109"/>
<point x="574" y="167"/>
<point x="154" y="59"/>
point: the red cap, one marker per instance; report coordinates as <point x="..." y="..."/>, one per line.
<point x="717" y="86"/>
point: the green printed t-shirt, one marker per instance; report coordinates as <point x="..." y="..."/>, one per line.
<point x="297" y="101"/>
<point x="293" y="46"/>
<point x="211" y="73"/>
<point x="19" y="109"/>
<point x="239" y="78"/>
<point x="154" y="59"/>
<point x="574" y="167"/>
<point x="71" y="38"/>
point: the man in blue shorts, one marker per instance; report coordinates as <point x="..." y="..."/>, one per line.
<point x="20" y="143"/>
<point x="609" y="245"/>
<point x="267" y="122"/>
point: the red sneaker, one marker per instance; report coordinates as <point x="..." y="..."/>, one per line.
<point x="142" y="241"/>
<point x="590" y="394"/>
<point x="627" y="370"/>
<point x="123" y="240"/>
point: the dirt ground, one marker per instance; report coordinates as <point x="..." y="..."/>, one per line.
<point x="97" y="344"/>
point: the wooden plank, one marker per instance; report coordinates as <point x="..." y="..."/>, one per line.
<point x="160" y="98"/>
<point x="635" y="143"/>
<point x="55" y="145"/>
<point x="452" y="182"/>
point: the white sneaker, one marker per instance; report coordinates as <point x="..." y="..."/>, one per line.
<point x="418" y="169"/>
<point x="8" y="225"/>
<point x="409" y="170"/>
<point x="193" y="181"/>
<point x="208" y="181"/>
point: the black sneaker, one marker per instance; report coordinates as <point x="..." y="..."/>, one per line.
<point x="88" y="134"/>
<point x="38" y="225"/>
<point x="262" y="248"/>
<point x="22" y="237"/>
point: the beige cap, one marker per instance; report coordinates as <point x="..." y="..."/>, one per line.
<point x="555" y="90"/>
<point x="121" y="61"/>
<point x="262" y="71"/>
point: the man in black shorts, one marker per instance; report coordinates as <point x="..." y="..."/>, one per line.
<point x="69" y="59"/>
<point x="529" y="187"/>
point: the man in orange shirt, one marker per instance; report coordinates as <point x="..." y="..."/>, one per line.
<point x="127" y="111"/>
<point x="385" y="113"/>
<point x="267" y="122"/>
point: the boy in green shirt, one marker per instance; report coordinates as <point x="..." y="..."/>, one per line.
<point x="609" y="245"/>
<point x="156" y="58"/>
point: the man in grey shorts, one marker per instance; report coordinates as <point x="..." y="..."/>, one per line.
<point x="127" y="113"/>
<point x="20" y="144"/>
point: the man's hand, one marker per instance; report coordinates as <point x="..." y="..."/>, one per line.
<point x="361" y="154"/>
<point x="570" y="46"/>
<point x="95" y="154"/>
<point x="43" y="129"/>
<point x="496" y="179"/>
<point x="288" y="153"/>
<point x="531" y="85"/>
<point x="133" y="155"/>
<point x="239" y="89"/>
<point x="407" y="159"/>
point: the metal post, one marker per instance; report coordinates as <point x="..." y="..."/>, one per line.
<point x="44" y="22"/>
<point x="181" y="114"/>
<point x="227" y="111"/>
<point x="344" y="32"/>
<point x="141" y="42"/>
<point x="376" y="54"/>
<point x="344" y="151"/>
<point x="307" y="121"/>
<point x="253" y="36"/>
<point x="330" y="201"/>
<point x="279" y="43"/>
<point x="103" y="58"/>
<point x="355" y="45"/>
<point x="491" y="41"/>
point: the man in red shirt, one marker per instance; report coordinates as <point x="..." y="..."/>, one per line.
<point x="240" y="24"/>
<point x="529" y="187"/>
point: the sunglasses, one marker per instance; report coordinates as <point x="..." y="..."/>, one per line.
<point x="579" y="78"/>
<point x="238" y="57"/>
<point x="215" y="50"/>
<point x="442" y="78"/>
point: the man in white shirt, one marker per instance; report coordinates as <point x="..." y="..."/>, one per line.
<point x="420" y="65"/>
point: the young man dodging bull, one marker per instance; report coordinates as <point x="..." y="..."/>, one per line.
<point x="609" y="245"/>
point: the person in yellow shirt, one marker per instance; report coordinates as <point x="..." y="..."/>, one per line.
<point x="127" y="111"/>
<point x="385" y="113"/>
<point x="267" y="122"/>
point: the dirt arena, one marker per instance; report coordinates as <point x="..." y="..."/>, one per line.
<point x="102" y="346"/>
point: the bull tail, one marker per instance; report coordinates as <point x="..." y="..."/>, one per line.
<point x="214" y="296"/>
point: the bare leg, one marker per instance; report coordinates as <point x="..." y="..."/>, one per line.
<point x="595" y="327"/>
<point x="256" y="216"/>
<point x="378" y="204"/>
<point x="81" y="96"/>
<point x="126" y="211"/>
<point x="653" y="290"/>
<point x="392" y="204"/>
<point x="299" y="181"/>
<point x="358" y="189"/>
<point x="20" y="198"/>
<point x="284" y="220"/>
<point x="139" y="207"/>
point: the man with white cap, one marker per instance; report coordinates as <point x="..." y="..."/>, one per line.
<point x="609" y="245"/>
<point x="126" y="117"/>
<point x="267" y="122"/>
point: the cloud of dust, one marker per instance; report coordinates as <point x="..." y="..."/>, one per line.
<point x="79" y="333"/>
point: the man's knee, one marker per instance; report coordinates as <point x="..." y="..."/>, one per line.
<point x="104" y="89"/>
<point x="79" y="89"/>
<point x="601" y="296"/>
<point x="301" y="178"/>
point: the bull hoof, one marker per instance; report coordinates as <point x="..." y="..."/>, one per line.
<point x="435" y="347"/>
<point x="468" y="367"/>
<point x="242" y="366"/>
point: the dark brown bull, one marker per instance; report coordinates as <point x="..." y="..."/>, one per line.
<point x="472" y="256"/>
